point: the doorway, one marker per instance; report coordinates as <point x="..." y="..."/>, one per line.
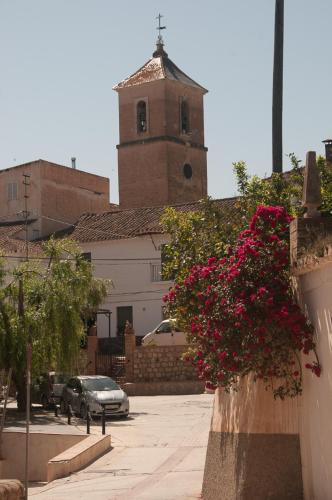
<point x="123" y="314"/>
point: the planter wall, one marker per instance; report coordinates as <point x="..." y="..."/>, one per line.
<point x="254" y="449"/>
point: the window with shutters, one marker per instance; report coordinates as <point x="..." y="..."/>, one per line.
<point x="12" y="191"/>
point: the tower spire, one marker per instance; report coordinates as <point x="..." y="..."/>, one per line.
<point x="160" y="42"/>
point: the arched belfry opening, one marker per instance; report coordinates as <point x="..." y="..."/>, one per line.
<point x="141" y="117"/>
<point x="184" y="116"/>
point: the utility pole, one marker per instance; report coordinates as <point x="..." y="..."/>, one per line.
<point x="28" y="376"/>
<point x="26" y="183"/>
<point x="278" y="87"/>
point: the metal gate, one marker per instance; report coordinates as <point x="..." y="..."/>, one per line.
<point x="112" y="366"/>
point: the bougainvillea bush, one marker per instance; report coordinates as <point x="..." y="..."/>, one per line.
<point x="241" y="313"/>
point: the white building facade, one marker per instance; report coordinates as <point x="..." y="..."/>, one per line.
<point x="135" y="294"/>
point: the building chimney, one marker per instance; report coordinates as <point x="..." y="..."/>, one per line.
<point x="73" y="162"/>
<point x="328" y="150"/>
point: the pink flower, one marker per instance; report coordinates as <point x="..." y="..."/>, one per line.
<point x="284" y="312"/>
<point x="210" y="386"/>
<point x="240" y="309"/>
<point x="222" y="355"/>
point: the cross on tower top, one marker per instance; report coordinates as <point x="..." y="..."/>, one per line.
<point x="159" y="28"/>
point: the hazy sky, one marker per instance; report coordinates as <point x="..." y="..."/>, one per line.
<point x="60" y="58"/>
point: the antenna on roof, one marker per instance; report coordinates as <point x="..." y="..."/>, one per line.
<point x="160" y="40"/>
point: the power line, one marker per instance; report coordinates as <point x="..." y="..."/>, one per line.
<point x="114" y="264"/>
<point x="111" y="294"/>
<point x="103" y="232"/>
<point x="135" y="300"/>
<point x="115" y="259"/>
<point x="76" y="226"/>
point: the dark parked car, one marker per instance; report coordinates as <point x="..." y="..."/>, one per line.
<point x="95" y="391"/>
<point x="46" y="389"/>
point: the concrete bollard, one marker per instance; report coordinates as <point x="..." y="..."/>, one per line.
<point x="88" y="418"/>
<point x="103" y="423"/>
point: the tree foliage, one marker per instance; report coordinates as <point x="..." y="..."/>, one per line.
<point x="195" y="236"/>
<point x="44" y="302"/>
<point x="215" y="225"/>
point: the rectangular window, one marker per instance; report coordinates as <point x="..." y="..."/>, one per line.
<point x="87" y="256"/>
<point x="35" y="234"/>
<point x="156" y="272"/>
<point x="12" y="191"/>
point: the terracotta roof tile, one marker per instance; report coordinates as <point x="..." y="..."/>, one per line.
<point x="159" y="67"/>
<point x="10" y="243"/>
<point x="129" y="223"/>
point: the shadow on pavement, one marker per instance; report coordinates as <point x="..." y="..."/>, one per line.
<point x="40" y="417"/>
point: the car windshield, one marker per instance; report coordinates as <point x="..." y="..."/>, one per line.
<point x="100" y="384"/>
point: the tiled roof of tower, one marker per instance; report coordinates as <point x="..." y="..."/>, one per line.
<point x="160" y="67"/>
<point x="130" y="223"/>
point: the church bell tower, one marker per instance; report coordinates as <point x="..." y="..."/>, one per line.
<point x="161" y="154"/>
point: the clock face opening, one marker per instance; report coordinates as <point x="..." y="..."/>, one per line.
<point x="187" y="171"/>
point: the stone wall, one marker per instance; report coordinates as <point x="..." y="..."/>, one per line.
<point x="151" y="370"/>
<point x="310" y="240"/>
<point x="161" y="363"/>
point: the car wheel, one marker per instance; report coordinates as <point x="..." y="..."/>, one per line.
<point x="44" y="402"/>
<point x="124" y="416"/>
<point x="83" y="412"/>
<point x="63" y="407"/>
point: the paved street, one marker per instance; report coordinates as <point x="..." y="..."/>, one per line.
<point x="158" y="454"/>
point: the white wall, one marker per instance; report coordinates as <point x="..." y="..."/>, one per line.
<point x="130" y="272"/>
<point x="316" y="420"/>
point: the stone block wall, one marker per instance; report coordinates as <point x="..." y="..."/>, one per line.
<point x="161" y="363"/>
<point x="308" y="236"/>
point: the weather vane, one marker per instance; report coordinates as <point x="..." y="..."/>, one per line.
<point x="159" y="28"/>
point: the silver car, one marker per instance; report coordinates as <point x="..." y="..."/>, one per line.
<point x="94" y="392"/>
